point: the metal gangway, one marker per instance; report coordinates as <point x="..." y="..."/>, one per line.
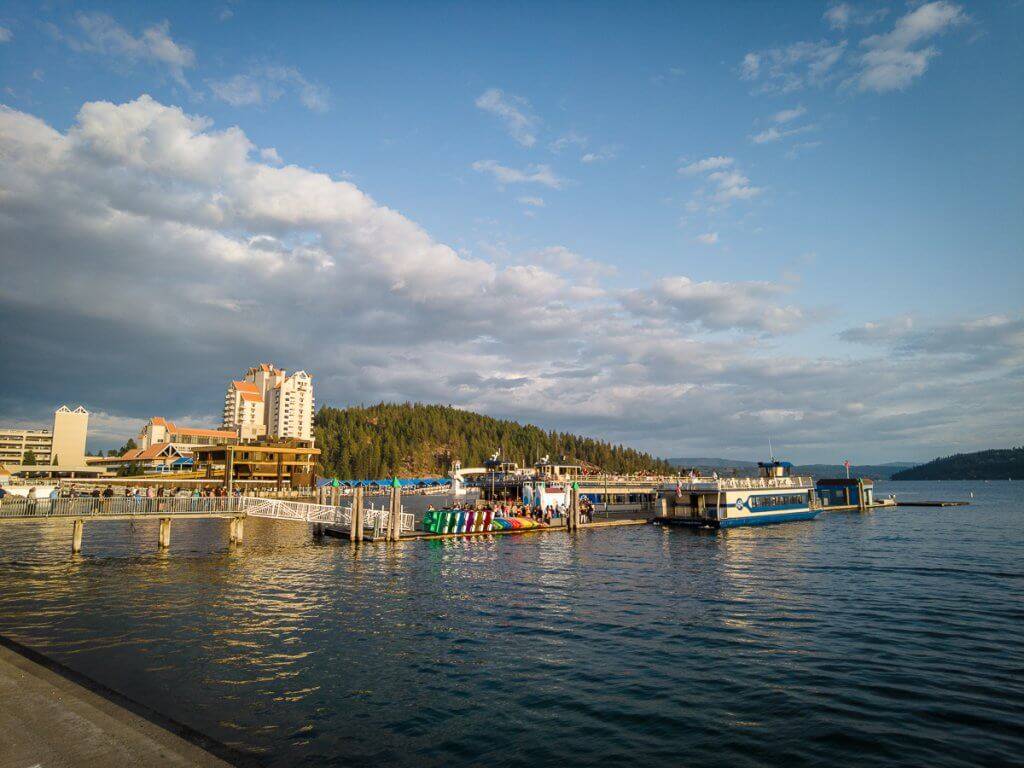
<point x="324" y="514"/>
<point x="166" y="508"/>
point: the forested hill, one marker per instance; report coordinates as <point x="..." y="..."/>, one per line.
<point x="985" y="465"/>
<point x="415" y="439"/>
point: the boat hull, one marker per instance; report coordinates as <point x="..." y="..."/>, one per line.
<point x="768" y="519"/>
<point x="739" y="522"/>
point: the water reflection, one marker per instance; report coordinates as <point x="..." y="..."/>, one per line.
<point x="786" y="643"/>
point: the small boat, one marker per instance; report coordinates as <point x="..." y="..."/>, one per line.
<point x="775" y="496"/>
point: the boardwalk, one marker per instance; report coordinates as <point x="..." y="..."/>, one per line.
<point x="79" y="510"/>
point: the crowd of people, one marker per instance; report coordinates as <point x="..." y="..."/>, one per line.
<point x="128" y="492"/>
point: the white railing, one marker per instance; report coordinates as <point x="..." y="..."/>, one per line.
<point x="140" y="506"/>
<point x="741" y="483"/>
<point x="117" y="506"/>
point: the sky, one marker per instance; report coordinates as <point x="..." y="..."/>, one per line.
<point x="689" y="227"/>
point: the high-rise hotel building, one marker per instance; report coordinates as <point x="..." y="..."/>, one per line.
<point x="267" y="402"/>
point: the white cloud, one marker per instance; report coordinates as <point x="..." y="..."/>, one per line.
<point x="842" y="15"/>
<point x="719" y="305"/>
<point x="269" y="155"/>
<point x="238" y="91"/>
<point x="986" y="340"/>
<point x="234" y="259"/>
<point x="838" y="15"/>
<point x="794" y="67"/>
<point x="6" y="35"/>
<point x="708" y="238"/>
<point x="750" y="67"/>
<point x="532" y="174"/>
<point x="100" y="33"/>
<point x="732" y="185"/>
<point x="514" y="112"/>
<point x="724" y="183"/>
<point x="789" y="115"/>
<point x="268" y="84"/>
<point x="534" y="202"/>
<point x="572" y="138"/>
<point x="602" y="155"/>
<point x="774" y="133"/>
<point x="800" y="148"/>
<point x="707" y="164"/>
<point x="893" y="60"/>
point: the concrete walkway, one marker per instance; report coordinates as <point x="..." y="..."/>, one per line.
<point x="48" y="721"/>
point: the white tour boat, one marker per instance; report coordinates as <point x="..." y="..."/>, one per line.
<point x="776" y="496"/>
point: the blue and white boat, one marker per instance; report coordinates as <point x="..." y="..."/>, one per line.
<point x="775" y="496"/>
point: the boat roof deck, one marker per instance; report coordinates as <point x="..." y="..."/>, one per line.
<point x="742" y="483"/>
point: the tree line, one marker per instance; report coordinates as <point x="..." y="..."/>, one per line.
<point x="1000" y="464"/>
<point x="410" y="439"/>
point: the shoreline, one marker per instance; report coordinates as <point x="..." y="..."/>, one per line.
<point x="52" y="714"/>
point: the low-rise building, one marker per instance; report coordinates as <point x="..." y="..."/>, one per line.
<point x="286" y="463"/>
<point x="159" y="457"/>
<point x="160" y="431"/>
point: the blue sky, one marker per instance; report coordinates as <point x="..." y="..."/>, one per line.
<point x="685" y="227"/>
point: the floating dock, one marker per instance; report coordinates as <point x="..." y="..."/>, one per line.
<point x="932" y="503"/>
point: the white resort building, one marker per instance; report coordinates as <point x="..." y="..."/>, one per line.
<point x="267" y="402"/>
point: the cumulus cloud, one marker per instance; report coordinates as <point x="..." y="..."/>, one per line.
<point x="150" y="254"/>
<point x="719" y="305"/>
<point x="895" y="59"/>
<point x="101" y="34"/>
<point x="514" y="112"/>
<point x="268" y="84"/>
<point x="532" y="174"/>
<point x="708" y="238"/>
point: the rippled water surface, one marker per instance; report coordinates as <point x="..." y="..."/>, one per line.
<point x="892" y="638"/>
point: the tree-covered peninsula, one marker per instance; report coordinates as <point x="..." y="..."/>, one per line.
<point x="417" y="439"/>
<point x="985" y="465"/>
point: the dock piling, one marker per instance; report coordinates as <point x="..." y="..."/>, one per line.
<point x="355" y="532"/>
<point x="573" y="523"/>
<point x="238" y="529"/>
<point x="76" y="536"/>
<point x="394" y="530"/>
<point x="165" y="532"/>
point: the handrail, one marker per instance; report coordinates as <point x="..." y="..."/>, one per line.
<point x="742" y="483"/>
<point x="158" y="507"/>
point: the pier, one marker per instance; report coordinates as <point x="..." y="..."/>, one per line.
<point x="350" y="516"/>
<point x="389" y="522"/>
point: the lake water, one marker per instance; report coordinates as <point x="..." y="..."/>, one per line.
<point x="890" y="638"/>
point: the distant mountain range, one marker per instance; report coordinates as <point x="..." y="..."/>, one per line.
<point x="983" y="465"/>
<point x="875" y="471"/>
